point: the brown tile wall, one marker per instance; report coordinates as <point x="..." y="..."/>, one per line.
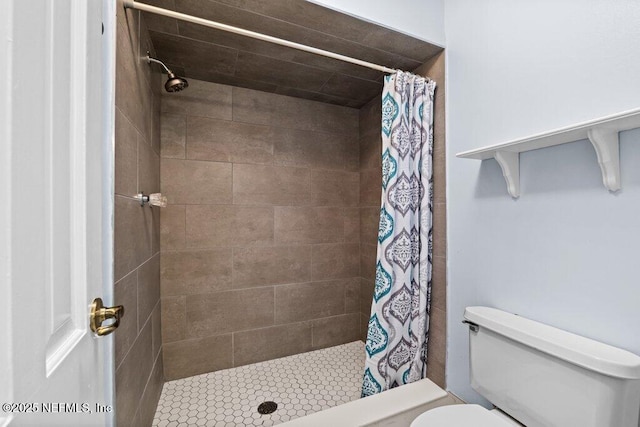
<point x="138" y="342"/>
<point x="260" y="241"/>
<point x="370" y="193"/>
<point x="217" y="56"/>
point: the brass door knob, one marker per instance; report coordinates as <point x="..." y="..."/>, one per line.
<point x="100" y="313"/>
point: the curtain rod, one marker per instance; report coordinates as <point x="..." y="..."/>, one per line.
<point x="132" y="4"/>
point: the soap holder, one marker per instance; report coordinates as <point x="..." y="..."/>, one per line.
<point x="155" y="199"/>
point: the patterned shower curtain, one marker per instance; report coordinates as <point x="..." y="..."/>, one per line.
<point x="396" y="348"/>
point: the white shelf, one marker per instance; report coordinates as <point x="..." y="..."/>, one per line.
<point x="602" y="132"/>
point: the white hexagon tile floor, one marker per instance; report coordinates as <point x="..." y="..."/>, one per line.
<point x="301" y="385"/>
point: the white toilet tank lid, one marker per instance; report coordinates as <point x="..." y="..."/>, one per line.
<point x="575" y="349"/>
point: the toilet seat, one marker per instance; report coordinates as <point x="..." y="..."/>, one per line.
<point x="460" y="416"/>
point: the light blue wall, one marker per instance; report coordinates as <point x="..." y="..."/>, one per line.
<point x="566" y="253"/>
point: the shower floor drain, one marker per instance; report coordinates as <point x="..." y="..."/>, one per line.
<point x="267" y="407"/>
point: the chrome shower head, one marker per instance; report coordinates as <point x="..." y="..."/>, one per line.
<point x="174" y="83"/>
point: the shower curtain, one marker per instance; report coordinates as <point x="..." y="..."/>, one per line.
<point x="396" y="347"/>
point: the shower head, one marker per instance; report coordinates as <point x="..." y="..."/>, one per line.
<point x="174" y="83"/>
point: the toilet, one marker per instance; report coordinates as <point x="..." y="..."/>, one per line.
<point x="540" y="376"/>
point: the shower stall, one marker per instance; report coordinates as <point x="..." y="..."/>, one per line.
<point x="254" y="284"/>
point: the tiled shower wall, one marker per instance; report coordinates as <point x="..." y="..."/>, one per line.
<point x="370" y="193"/>
<point x="138" y="344"/>
<point x="260" y="241"/>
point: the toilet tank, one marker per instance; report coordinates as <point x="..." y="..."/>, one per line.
<point x="545" y="377"/>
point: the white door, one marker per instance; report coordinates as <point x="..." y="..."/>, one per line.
<point x="55" y="213"/>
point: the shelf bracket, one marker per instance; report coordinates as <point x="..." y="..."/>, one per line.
<point x="510" y="164"/>
<point x="607" y="146"/>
